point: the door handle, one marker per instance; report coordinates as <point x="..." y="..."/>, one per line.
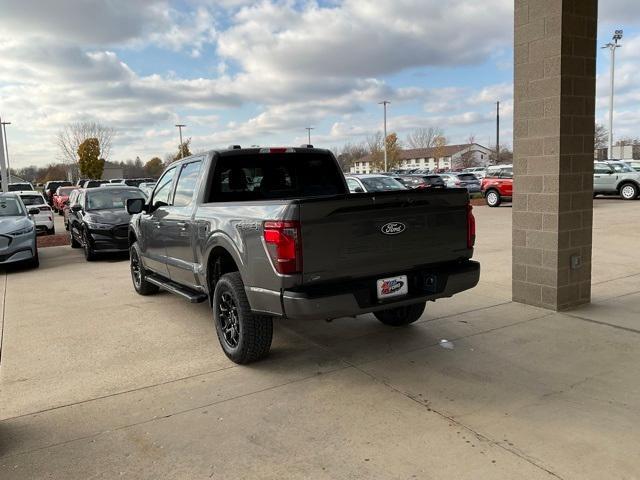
<point x="182" y="225"/>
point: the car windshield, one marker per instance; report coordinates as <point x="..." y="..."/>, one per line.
<point x="65" y="190"/>
<point x="29" y="200"/>
<point x="10" y="207"/>
<point x="110" y="198"/>
<point x="382" y="184"/>
<point x="622" y="168"/>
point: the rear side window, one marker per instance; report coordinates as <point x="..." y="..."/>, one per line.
<point x="467" y="177"/>
<point x="506" y="173"/>
<point x="275" y="176"/>
<point x="186" y="184"/>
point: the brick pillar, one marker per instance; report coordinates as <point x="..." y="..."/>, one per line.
<point x="554" y="118"/>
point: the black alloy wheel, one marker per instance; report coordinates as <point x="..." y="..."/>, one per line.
<point x="228" y="315"/>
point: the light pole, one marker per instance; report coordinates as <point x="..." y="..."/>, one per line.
<point x="497" y="133"/>
<point x="308" y="129"/>
<point x="384" y="103"/>
<point x="180" y="125"/>
<point x="6" y="145"/>
<point x="3" y="163"/>
<point x="617" y="36"/>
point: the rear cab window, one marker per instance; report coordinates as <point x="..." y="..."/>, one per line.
<point x="271" y="176"/>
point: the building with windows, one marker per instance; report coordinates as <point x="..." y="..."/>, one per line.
<point x="448" y="157"/>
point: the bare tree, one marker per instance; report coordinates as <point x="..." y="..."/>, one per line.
<point x="424" y="137"/>
<point x="73" y="134"/>
<point x="468" y="158"/>
<point x="601" y="136"/>
<point x="375" y="147"/>
<point x="349" y="153"/>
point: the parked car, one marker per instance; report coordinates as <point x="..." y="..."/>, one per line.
<point x="98" y="220"/>
<point x="616" y="178"/>
<point x="373" y="183"/>
<point x="296" y="245"/>
<point x="479" y="172"/>
<point x="20" y="186"/>
<point x="17" y="231"/>
<point x="116" y="180"/>
<point x="635" y="164"/>
<point x="410" y="181"/>
<point x="51" y="187"/>
<point x="94" y="183"/>
<point x="81" y="182"/>
<point x="432" y="180"/>
<point x="44" y="218"/>
<point x="497" y="186"/>
<point x="66" y="210"/>
<point x="60" y="198"/>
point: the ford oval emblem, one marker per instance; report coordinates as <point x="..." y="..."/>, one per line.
<point x="393" y="228"/>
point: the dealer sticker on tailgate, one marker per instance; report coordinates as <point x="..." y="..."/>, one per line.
<point x="392" y="287"/>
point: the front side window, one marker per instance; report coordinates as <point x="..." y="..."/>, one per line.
<point x="353" y="185"/>
<point x="186" y="184"/>
<point x="10" y="207"/>
<point x="622" y="168"/>
<point x="163" y="189"/>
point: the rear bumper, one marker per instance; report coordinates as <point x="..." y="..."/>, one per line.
<point x="357" y="298"/>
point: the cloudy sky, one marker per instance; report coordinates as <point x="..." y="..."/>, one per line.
<point x="259" y="72"/>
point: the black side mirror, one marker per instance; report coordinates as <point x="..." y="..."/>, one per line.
<point x="34" y="211"/>
<point x="358" y="190"/>
<point x="135" y="205"/>
<point x="76" y="208"/>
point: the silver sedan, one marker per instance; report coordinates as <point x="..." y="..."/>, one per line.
<point x="17" y="232"/>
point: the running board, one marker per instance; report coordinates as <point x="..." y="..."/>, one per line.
<point x="177" y="289"/>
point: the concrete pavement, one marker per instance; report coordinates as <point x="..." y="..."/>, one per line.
<point x="98" y="382"/>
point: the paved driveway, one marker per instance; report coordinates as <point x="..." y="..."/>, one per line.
<point x="97" y="382"/>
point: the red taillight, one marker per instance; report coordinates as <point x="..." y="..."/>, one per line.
<point x="471" y="227"/>
<point x="283" y="241"/>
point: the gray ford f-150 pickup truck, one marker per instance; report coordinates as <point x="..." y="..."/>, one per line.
<point x="273" y="232"/>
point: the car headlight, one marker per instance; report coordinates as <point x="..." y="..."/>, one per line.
<point x="99" y="226"/>
<point x="22" y="231"/>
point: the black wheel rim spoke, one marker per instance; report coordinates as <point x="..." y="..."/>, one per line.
<point x="228" y="317"/>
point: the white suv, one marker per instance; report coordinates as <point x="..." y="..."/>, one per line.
<point x="44" y="219"/>
<point x="616" y="178"/>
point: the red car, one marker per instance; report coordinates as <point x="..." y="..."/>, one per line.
<point x="497" y="185"/>
<point x="60" y="198"/>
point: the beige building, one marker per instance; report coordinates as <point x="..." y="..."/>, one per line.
<point x="439" y="158"/>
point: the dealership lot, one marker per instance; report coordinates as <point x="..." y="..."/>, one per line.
<point x="98" y="382"/>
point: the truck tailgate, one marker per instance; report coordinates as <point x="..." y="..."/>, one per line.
<point x="380" y="233"/>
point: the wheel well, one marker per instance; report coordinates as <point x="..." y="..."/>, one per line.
<point x="627" y="182"/>
<point x="491" y="189"/>
<point x="220" y="262"/>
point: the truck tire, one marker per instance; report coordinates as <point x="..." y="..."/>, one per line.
<point x="89" y="252"/>
<point x="139" y="274"/>
<point x="400" y="316"/>
<point x="629" y="191"/>
<point x="244" y="336"/>
<point x="492" y="197"/>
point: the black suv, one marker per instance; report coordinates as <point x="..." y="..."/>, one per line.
<point x="98" y="220"/>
